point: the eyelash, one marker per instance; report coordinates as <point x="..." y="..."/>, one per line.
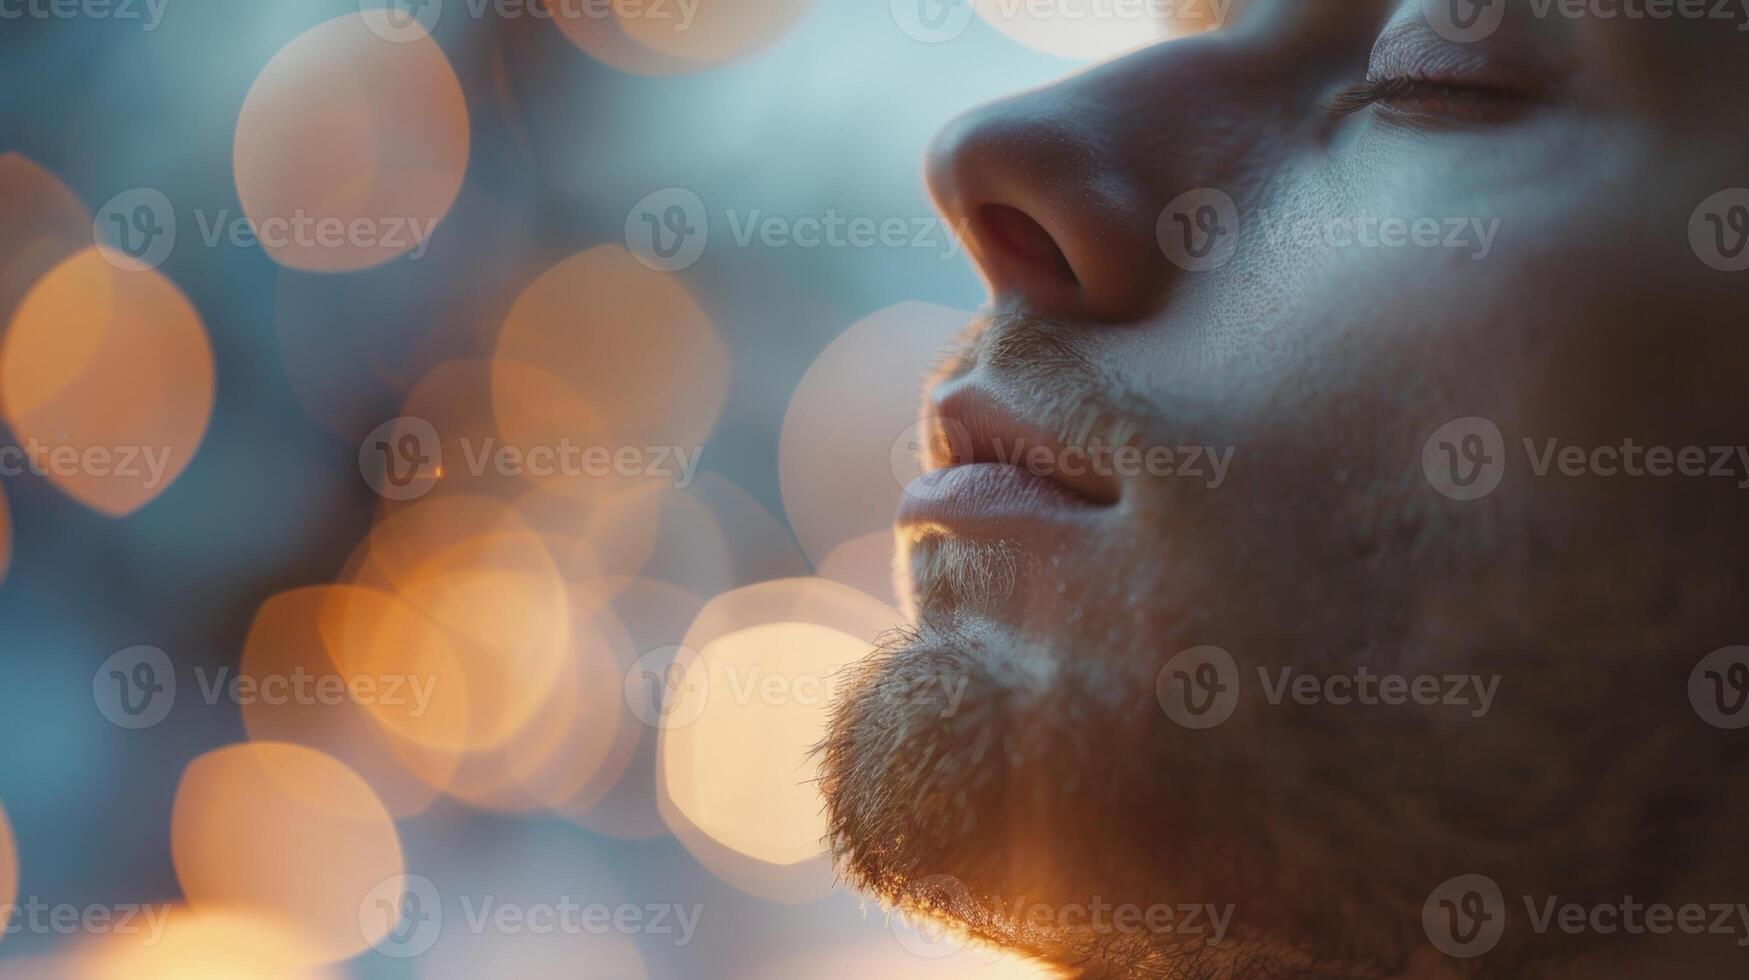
<point x="1404" y="88"/>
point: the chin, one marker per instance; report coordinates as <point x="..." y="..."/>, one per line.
<point x="995" y="765"/>
<point x="1044" y="789"/>
<point x="1010" y="753"/>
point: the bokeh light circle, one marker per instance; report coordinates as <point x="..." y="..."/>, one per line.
<point x="222" y="943"/>
<point x="288" y="833"/>
<point x="1090" y="30"/>
<point x="673" y="38"/>
<point x="469" y="567"/>
<point x="301" y="696"/>
<point x="111" y="374"/>
<point x="350" y="148"/>
<point x="770" y="660"/>
<point x="614" y="365"/>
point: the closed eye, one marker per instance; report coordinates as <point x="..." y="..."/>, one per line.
<point x="1405" y="88"/>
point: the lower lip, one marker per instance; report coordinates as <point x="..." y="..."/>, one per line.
<point x="992" y="495"/>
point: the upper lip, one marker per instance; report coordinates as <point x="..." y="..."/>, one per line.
<point x="974" y="426"/>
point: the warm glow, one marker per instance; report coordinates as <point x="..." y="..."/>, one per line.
<point x="857" y="403"/>
<point x="741" y="773"/>
<point x="1086" y="29"/>
<point x="736" y="761"/>
<point x="288" y="833"/>
<point x="882" y="960"/>
<point x="571" y="740"/>
<point x="606" y="355"/>
<point x="413" y="680"/>
<point x="202" y="944"/>
<point x="347" y="128"/>
<point x="663" y="40"/>
<point x="467" y="570"/>
<point x="111" y="374"/>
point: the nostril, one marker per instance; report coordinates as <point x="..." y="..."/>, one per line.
<point x="1013" y="231"/>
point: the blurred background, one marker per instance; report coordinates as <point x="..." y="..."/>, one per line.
<point x="446" y="456"/>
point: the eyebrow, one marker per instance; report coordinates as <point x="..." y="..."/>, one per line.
<point x="1520" y="49"/>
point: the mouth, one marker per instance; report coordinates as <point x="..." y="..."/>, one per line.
<point x="987" y="468"/>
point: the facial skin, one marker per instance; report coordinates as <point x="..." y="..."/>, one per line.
<point x="1325" y="369"/>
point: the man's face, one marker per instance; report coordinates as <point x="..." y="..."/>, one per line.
<point x="1336" y="499"/>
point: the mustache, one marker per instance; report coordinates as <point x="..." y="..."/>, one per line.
<point x="1079" y="404"/>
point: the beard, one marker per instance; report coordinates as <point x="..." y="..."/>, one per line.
<point x="1054" y="777"/>
<point x="975" y="772"/>
<point x="974" y="779"/>
<point x="1012" y="752"/>
<point x="1046" y="794"/>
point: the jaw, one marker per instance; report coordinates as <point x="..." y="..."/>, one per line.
<point x="1043" y="790"/>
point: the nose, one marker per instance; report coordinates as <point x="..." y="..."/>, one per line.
<point x="1049" y="218"/>
<point x="1060" y="193"/>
